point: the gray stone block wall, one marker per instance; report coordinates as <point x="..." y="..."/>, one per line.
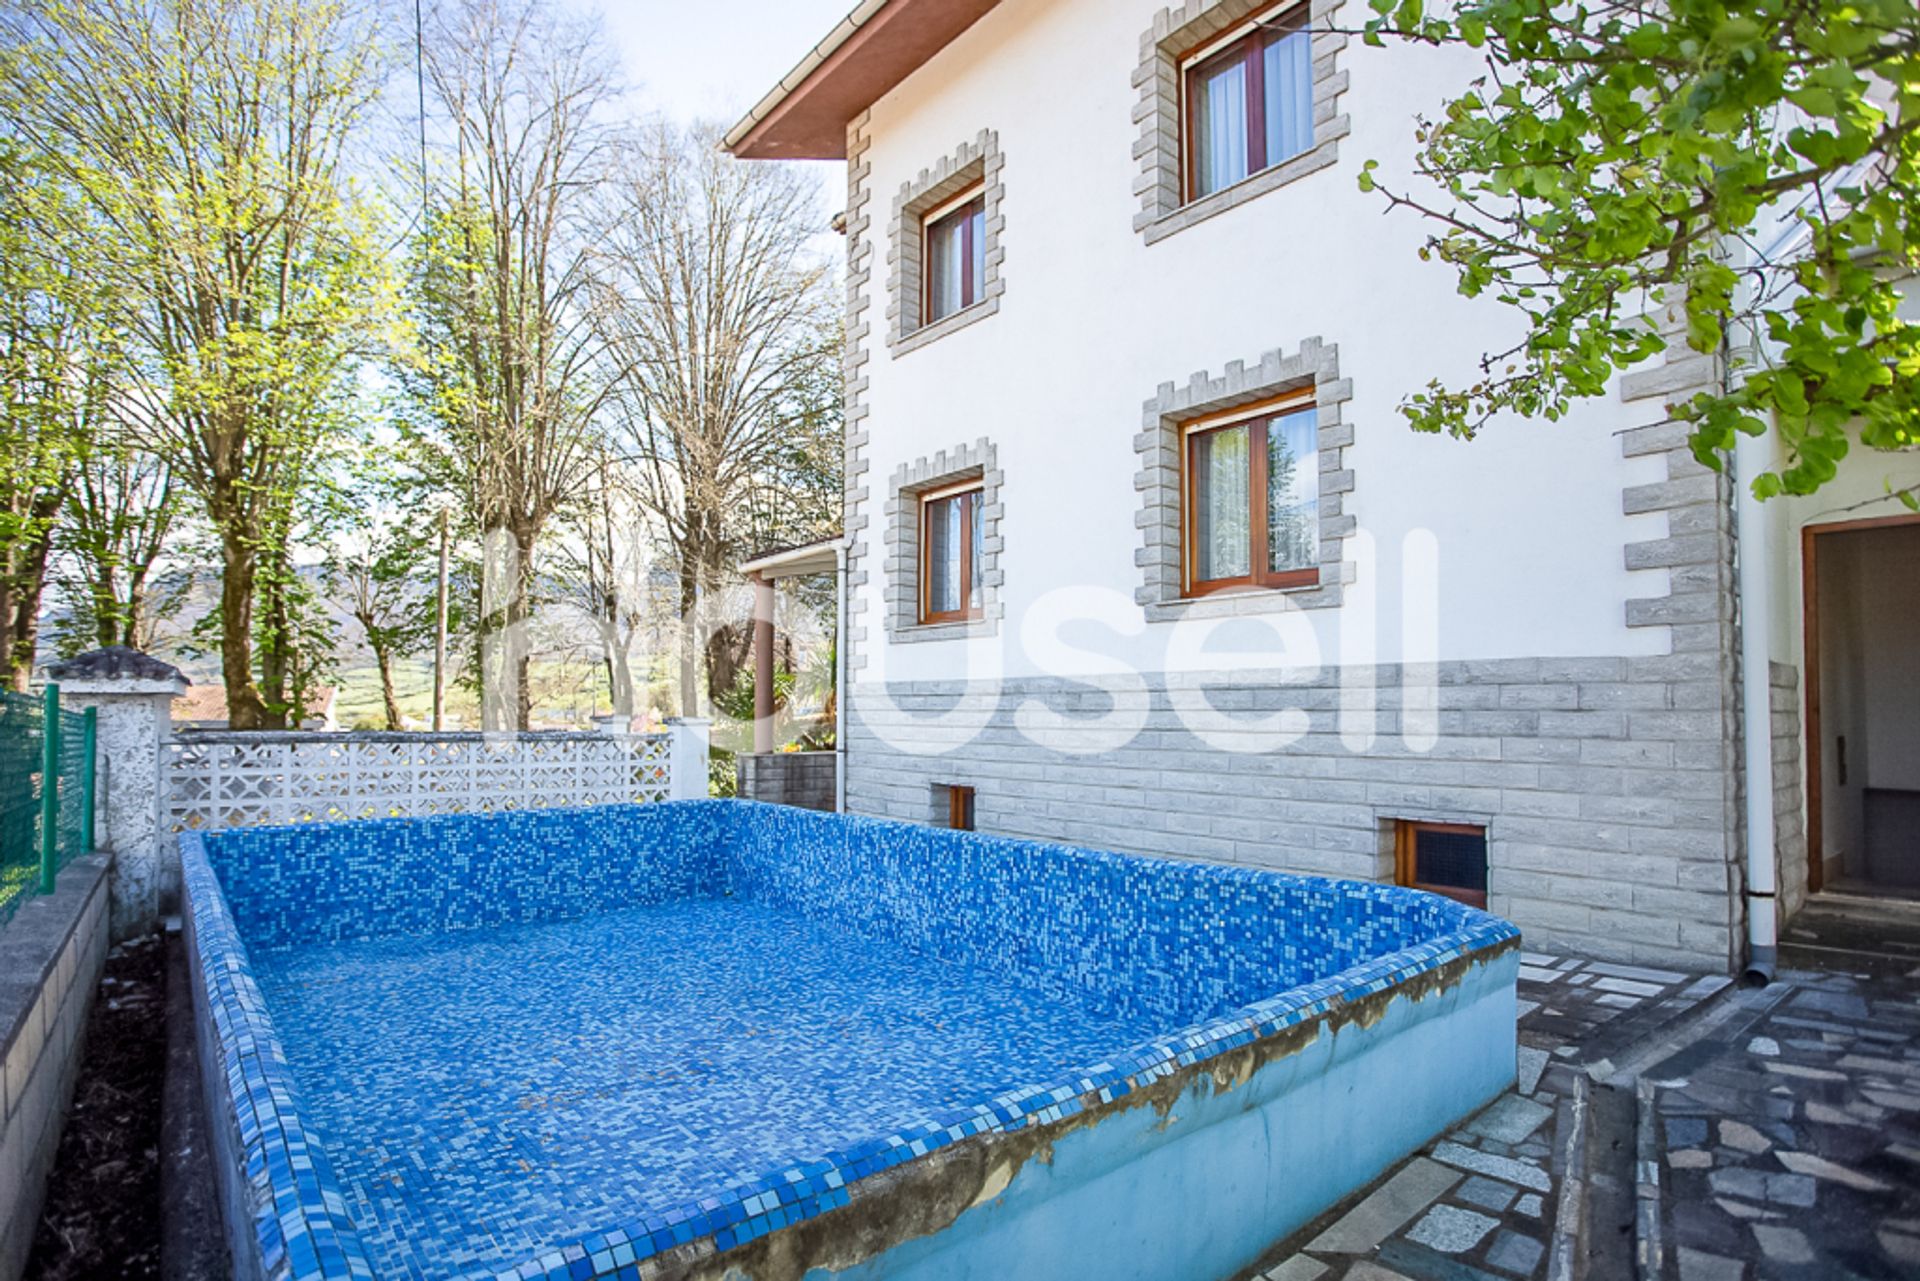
<point x="1601" y="782"/>
<point x="1789" y="809"/>
<point x="803" y="779"/>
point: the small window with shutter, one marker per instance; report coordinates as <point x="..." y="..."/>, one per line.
<point x="1443" y="858"/>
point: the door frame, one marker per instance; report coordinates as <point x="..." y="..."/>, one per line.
<point x="1810" y="673"/>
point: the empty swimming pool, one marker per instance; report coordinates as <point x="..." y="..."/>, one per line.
<point x="683" y="1038"/>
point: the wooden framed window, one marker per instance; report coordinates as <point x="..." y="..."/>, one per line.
<point x="950" y="547"/>
<point x="954" y="249"/>
<point x="1247" y="100"/>
<point x="1442" y="858"/>
<point x="1250" y="497"/>
<point x="960" y="807"/>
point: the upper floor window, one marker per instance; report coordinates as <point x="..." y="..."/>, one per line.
<point x="1248" y="101"/>
<point x="1252" y="497"/>
<point x="955" y="255"/>
<point x="950" y="554"/>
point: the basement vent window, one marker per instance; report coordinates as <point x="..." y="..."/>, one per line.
<point x="953" y="806"/>
<point x="1443" y="858"/>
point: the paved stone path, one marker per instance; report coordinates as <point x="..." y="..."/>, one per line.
<point x="1478" y="1204"/>
<point x="1790" y="1137"/>
<point x="1785" y="1124"/>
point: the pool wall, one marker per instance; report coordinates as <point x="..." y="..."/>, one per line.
<point x="1318" y="1030"/>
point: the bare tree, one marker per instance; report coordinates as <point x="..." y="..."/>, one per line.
<point x="508" y="363"/>
<point x="605" y="567"/>
<point x="718" y="316"/>
<point x="209" y="139"/>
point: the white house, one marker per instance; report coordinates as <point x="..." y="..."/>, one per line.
<point x="1140" y="553"/>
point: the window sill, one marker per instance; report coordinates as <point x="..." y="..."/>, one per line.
<point x="1321" y="155"/>
<point x="940" y="328"/>
<point x="1233" y="602"/>
<point x="960" y="630"/>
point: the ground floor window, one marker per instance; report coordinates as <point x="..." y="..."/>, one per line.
<point x="950" y="549"/>
<point x="1253" y="498"/>
<point x="1442" y="858"/>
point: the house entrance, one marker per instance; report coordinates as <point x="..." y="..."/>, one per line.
<point x="1862" y="593"/>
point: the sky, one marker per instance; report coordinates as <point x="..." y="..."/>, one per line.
<point x="711" y="60"/>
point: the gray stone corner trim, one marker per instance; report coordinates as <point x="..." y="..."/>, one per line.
<point x="1697" y="551"/>
<point x="1156" y="79"/>
<point x="974" y="163"/>
<point x="856" y="351"/>
<point x="962" y="462"/>
<point x="1316" y="364"/>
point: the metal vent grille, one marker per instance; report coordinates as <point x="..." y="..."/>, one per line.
<point x="1456" y="860"/>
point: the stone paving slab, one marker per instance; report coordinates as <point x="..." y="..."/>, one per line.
<point x="1783" y="1157"/>
<point x="1787" y="1127"/>
<point x="1477" y="1204"/>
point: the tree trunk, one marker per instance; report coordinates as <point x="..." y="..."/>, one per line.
<point x="27" y="581"/>
<point x="689" y="634"/>
<point x="285" y="702"/>
<point x="521" y="620"/>
<point x="245" y="710"/>
<point x="134" y="633"/>
<point x="383" y="660"/>
<point x="107" y="624"/>
<point x="620" y="674"/>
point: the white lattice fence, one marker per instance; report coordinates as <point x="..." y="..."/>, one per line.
<point x="233" y="779"/>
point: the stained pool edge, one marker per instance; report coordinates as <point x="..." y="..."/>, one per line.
<point x="1005" y="1195"/>
<point x="278" y="1182"/>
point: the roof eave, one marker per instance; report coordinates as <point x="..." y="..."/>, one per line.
<point x="879" y="44"/>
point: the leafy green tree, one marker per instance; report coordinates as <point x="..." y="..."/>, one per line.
<point x="209" y="140"/>
<point x="121" y="514"/>
<point x="1757" y="161"/>
<point x="378" y="570"/>
<point x="55" y="385"/>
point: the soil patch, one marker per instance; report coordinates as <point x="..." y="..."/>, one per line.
<point x="102" y="1214"/>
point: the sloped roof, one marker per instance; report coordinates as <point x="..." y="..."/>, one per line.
<point x="878" y="45"/>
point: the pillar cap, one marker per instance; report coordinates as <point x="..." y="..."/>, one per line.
<point x="117" y="669"/>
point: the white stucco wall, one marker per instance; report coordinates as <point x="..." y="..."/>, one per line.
<point x="1528" y="518"/>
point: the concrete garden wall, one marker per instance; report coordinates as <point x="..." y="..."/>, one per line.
<point x="51" y="954"/>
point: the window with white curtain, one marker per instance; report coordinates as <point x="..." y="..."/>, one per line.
<point x="1249" y="101"/>
<point x="955" y="256"/>
<point x="1252" y="497"/>
<point x="950" y="554"/>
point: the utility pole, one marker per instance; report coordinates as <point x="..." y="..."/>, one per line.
<point x="440" y="635"/>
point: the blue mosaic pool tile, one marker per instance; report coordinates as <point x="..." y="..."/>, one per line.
<point x="365" y="937"/>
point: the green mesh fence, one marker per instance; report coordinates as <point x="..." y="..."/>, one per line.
<point x="27" y="857"/>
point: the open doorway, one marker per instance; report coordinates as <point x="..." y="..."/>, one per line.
<point x="1862" y="594"/>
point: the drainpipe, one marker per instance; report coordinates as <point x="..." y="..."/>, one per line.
<point x="1755" y="587"/>
<point x="842" y="696"/>
<point x="762" y="665"/>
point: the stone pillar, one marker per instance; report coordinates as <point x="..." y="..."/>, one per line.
<point x="687" y="756"/>
<point x="134" y="694"/>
